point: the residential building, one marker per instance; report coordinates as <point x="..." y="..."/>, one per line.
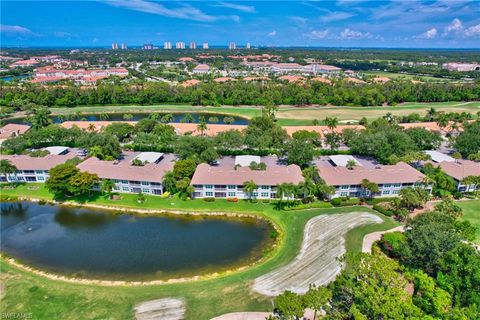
<point x="130" y="178"/>
<point x="148" y="46"/>
<point x="167" y="45"/>
<point x="205" y="45"/>
<point x="201" y="69"/>
<point x="457" y="169"/>
<point x="247" y="46"/>
<point x="180" y="45"/>
<point x="24" y="63"/>
<point x="35" y="169"/>
<point x="124" y="46"/>
<point x="348" y="181"/>
<point x="12" y="130"/>
<point x="232" y="46"/>
<point x="84" y="76"/>
<point x="114" y="46"/>
<point x="192" y="45"/>
<point x="225" y="178"/>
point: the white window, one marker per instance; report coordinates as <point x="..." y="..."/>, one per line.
<point x="264" y="194"/>
<point x="124" y="181"/>
<point x="385" y="192"/>
<point x="40" y="178"/>
<point x="255" y="194"/>
<point x="345" y="187"/>
<point x="388" y="185"/>
<point x="231" y="194"/>
<point x="273" y="195"/>
<point x="208" y="186"/>
<point x="397" y="185"/>
<point x="145" y="183"/>
<point x="344" y="194"/>
<point x="208" y="194"/>
<point x="116" y="181"/>
<point x="116" y="188"/>
<point x="395" y="191"/>
<point x="231" y="187"/>
<point x="125" y="188"/>
<point x="265" y="187"/>
<point x="39" y="171"/>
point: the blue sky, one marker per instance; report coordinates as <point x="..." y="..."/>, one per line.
<point x="342" y="23"/>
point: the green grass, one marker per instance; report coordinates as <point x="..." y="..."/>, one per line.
<point x="289" y="115"/>
<point x="395" y="75"/>
<point x="471" y="212"/>
<point x="49" y="299"/>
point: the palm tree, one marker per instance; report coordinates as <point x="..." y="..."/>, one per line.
<point x="351" y="164"/>
<point x="167" y="118"/>
<point x="431" y="113"/>
<point x="307" y="188"/>
<point x="6" y="168"/>
<point x="442" y="121"/>
<point x="40" y="118"/>
<point x="457" y="156"/>
<point x="104" y="116"/>
<point x="331" y="122"/>
<point x="370" y="186"/>
<point x="154" y="116"/>
<point x="188" y="118"/>
<point x="91" y="127"/>
<point x="202" y="126"/>
<point x="249" y="187"/>
<point x="169" y="182"/>
<point x="107" y="187"/>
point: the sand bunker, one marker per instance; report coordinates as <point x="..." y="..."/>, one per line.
<point x="317" y="263"/>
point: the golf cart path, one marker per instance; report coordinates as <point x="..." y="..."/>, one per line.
<point x="370" y="238"/>
<point x="160" y="309"/>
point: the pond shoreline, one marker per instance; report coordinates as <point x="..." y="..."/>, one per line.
<point x="273" y="248"/>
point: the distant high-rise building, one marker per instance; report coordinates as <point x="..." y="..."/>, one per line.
<point x="167" y="45"/>
<point x="248" y="45"/>
<point x="193" y="45"/>
<point x="232" y="46"/>
<point x="205" y="45"/>
<point x="114" y="46"/>
<point x="124" y="46"/>
<point x="148" y="46"/>
<point x="180" y="45"/>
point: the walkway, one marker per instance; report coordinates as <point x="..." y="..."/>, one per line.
<point x="370" y="238"/>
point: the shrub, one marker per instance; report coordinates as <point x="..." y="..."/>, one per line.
<point x="395" y="244"/>
<point x="383" y="210"/>
<point x="336" y="202"/>
<point x="232" y="199"/>
<point x="209" y="199"/>
<point x="165" y="195"/>
<point x="318" y="204"/>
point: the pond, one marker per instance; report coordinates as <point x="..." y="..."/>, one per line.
<point x="210" y="118"/>
<point x="11" y="78"/>
<point x="97" y="244"/>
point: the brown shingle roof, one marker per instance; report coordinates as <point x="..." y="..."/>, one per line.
<point x="399" y="173"/>
<point x="13" y="129"/>
<point x="461" y="169"/>
<point x="222" y="175"/>
<point x="25" y="162"/>
<point x="124" y="170"/>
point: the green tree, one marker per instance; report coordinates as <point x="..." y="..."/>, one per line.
<point x="58" y="181"/>
<point x="289" y="306"/>
<point x="449" y="207"/>
<point x="107" y="186"/>
<point x="468" y="141"/>
<point x="317" y="299"/>
<point x="7" y="168"/>
<point x="184" y="188"/>
<point x="40" y="118"/>
<point x="369" y="186"/>
<point x="299" y="152"/>
<point x="167" y="118"/>
<point x="123" y="131"/>
<point x="331" y="123"/>
<point x="333" y="140"/>
<point x="249" y="187"/>
<point x="82" y="183"/>
<point x="351" y="164"/>
<point x="169" y="182"/>
<point x="184" y="168"/>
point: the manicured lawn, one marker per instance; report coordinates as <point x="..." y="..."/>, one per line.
<point x="471" y="212"/>
<point x="49" y="299"/>
<point x="394" y="75"/>
<point x="289" y="115"/>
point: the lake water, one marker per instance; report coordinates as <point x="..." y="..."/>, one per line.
<point x="101" y="245"/>
<point x="210" y="118"/>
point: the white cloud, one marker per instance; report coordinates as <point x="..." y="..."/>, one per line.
<point x="316" y="34"/>
<point x="473" y="31"/>
<point x="184" y="11"/>
<point x="236" y="6"/>
<point x="62" y="34"/>
<point x="429" y="34"/>
<point x="15" y="30"/>
<point x="336" y="16"/>
<point x="454" y="27"/>
<point x="299" y="20"/>
<point x="349" y="34"/>
<point x="272" y="34"/>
